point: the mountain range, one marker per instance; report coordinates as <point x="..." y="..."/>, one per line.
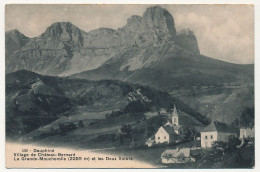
<point x="64" y="49"/>
<point x="147" y="51"/>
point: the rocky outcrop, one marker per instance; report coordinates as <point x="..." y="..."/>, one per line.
<point x="160" y="21"/>
<point x="187" y="40"/>
<point x="154" y="28"/>
<point x="64" y="49"/>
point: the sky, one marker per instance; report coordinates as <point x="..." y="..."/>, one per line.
<point x="224" y="32"/>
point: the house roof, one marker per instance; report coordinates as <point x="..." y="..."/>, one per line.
<point x="176" y="127"/>
<point x="173" y="126"/>
<point x="150" y="140"/>
<point x="199" y="128"/>
<point x="248" y="128"/>
<point x="168" y="123"/>
<point x="174" y="153"/>
<point x="217" y="126"/>
<point x="169" y="130"/>
<point x="188" y="120"/>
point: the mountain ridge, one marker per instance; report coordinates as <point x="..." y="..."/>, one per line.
<point x="64" y="49"/>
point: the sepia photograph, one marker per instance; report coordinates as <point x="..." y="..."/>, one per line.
<point x="130" y="86"/>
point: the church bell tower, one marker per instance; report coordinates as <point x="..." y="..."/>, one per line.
<point x="175" y="118"/>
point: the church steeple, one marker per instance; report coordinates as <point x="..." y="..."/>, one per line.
<point x="175" y="117"/>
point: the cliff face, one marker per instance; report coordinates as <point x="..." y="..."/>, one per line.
<point x="187" y="40"/>
<point x="154" y="28"/>
<point x="64" y="49"/>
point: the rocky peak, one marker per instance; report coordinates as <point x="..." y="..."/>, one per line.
<point x="16" y="33"/>
<point x="134" y="19"/>
<point x="154" y="28"/>
<point x="160" y="19"/>
<point x="14" y="40"/>
<point x="64" y="31"/>
<point x="65" y="49"/>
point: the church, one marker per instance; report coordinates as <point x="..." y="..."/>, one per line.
<point x="174" y="130"/>
<point x="171" y="131"/>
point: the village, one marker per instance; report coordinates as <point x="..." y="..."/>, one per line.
<point x="215" y="138"/>
<point x="181" y="141"/>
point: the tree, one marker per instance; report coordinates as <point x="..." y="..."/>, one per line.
<point x="247" y="118"/>
<point x="52" y="130"/>
<point x="62" y="129"/>
<point x="126" y="128"/>
<point x="168" y="156"/>
<point x="219" y="144"/>
<point x="80" y="124"/>
<point x="137" y="106"/>
<point x="189" y="133"/>
<point x="71" y="126"/>
<point x="235" y="125"/>
<point x="232" y="144"/>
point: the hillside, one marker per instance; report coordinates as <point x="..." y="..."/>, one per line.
<point x="216" y="89"/>
<point x="225" y="103"/>
<point x="176" y="70"/>
<point x="33" y="100"/>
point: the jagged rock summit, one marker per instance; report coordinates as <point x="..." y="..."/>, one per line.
<point x="64" y="49"/>
<point x="155" y="27"/>
<point x="64" y="31"/>
<point x="160" y="20"/>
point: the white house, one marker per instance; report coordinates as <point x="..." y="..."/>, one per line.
<point x="216" y="131"/>
<point x="165" y="134"/>
<point x="150" y="142"/>
<point x="174" y="129"/>
<point x="247" y="133"/>
<point x="170" y="131"/>
<point x="177" y="156"/>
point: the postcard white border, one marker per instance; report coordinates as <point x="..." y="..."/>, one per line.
<point x="256" y="4"/>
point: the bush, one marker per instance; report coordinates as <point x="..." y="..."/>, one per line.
<point x="80" y="124"/>
<point x="232" y="144"/>
<point x="64" y="128"/>
<point x="219" y="144"/>
<point x="136" y="106"/>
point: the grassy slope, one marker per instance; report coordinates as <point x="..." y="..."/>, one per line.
<point x="43" y="99"/>
<point x="224" y="104"/>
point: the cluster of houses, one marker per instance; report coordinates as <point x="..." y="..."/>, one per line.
<point x="172" y="132"/>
